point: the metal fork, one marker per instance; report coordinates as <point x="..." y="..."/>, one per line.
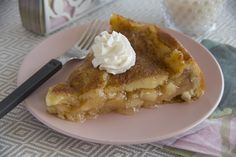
<point x="79" y="51"/>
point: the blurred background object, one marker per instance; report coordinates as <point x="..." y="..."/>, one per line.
<point x="192" y="17"/>
<point x="46" y="16"/>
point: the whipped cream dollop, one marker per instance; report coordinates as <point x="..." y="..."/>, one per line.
<point x="113" y="53"/>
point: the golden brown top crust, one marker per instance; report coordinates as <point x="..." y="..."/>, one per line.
<point x="62" y="88"/>
<point x="122" y="24"/>
<point x="86" y="77"/>
<point x="157" y="54"/>
<point x="143" y="68"/>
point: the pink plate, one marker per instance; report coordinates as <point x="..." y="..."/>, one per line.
<point x="148" y="125"/>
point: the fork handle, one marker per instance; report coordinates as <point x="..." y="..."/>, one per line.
<point x="30" y="85"/>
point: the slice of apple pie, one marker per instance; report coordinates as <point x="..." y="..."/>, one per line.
<point x="164" y="72"/>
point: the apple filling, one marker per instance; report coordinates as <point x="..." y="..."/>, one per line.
<point x="130" y="98"/>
